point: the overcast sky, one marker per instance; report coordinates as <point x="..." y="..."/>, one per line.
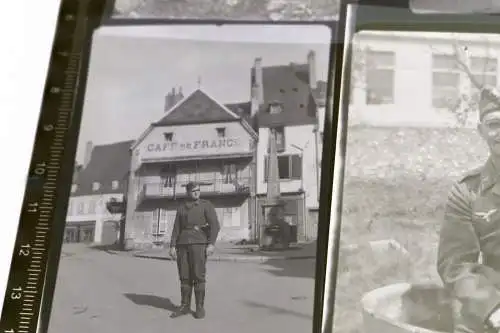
<point x="133" y="68"/>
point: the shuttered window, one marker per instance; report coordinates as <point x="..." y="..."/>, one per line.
<point x="280" y="139"/>
<point x="289" y="167"/>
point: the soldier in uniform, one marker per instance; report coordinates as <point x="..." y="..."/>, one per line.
<point x="195" y="231"/>
<point x="469" y="243"/>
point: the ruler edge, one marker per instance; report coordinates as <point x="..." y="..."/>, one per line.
<point x="92" y="14"/>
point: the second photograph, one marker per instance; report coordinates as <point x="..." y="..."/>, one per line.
<point x="194" y="203"/>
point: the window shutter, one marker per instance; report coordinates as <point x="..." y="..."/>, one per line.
<point x="296" y="167"/>
<point x="266" y="163"/>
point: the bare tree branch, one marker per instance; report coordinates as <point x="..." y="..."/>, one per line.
<point x="460" y="56"/>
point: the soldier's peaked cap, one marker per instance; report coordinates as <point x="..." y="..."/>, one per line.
<point x="489" y="101"/>
<point x="191" y="186"/>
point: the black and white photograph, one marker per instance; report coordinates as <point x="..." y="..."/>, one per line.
<point x="267" y="10"/>
<point x="419" y="226"/>
<point x="195" y="195"/>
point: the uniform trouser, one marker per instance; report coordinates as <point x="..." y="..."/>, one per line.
<point x="191" y="264"/>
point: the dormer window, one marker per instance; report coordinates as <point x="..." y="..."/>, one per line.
<point x="96" y="186"/>
<point x="74" y="187"/>
<point x="115" y="184"/>
<point x="168" y="136"/>
<point x="275" y="108"/>
<point x="221" y="132"/>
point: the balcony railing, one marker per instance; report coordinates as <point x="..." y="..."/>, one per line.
<point x="207" y="187"/>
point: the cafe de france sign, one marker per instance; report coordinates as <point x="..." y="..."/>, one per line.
<point x="193" y="142"/>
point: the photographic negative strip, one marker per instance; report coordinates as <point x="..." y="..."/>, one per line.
<point x="194" y="201"/>
<point x="455" y="6"/>
<point x="246" y="10"/>
<point x="416" y="219"/>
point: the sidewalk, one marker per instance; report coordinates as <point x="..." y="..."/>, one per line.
<point x="243" y="253"/>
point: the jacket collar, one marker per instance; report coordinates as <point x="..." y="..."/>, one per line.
<point x="489" y="176"/>
<point x="191" y="203"/>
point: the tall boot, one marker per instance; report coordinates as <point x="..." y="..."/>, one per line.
<point x="185" y="308"/>
<point x="199" y="294"/>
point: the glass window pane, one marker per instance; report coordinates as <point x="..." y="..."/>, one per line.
<point x="376" y="59"/>
<point x="483" y="65"/>
<point x="444" y="61"/>
<point x="442" y="79"/>
<point x="485" y="79"/>
<point x="284" y="167"/>
<point x="446" y="98"/>
<point x="380" y="86"/>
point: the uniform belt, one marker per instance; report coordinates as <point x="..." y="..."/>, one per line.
<point x="195" y="227"/>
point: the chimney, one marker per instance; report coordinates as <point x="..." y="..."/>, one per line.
<point x="88" y="153"/>
<point x="311" y="62"/>
<point x="180" y="95"/>
<point x="168" y="101"/>
<point x="257" y="67"/>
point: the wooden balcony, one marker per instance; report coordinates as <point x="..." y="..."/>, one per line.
<point x="216" y="187"/>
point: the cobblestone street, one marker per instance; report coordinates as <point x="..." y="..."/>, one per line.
<point x="112" y="293"/>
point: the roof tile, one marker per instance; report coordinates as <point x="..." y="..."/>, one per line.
<point x="107" y="163"/>
<point x="289" y="86"/>
<point x="196" y="108"/>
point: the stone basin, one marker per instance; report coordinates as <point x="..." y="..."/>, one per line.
<point x="404" y="307"/>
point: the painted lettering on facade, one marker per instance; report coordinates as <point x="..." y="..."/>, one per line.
<point x="193" y="146"/>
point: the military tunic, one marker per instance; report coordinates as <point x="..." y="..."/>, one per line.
<point x="196" y="225"/>
<point x="469" y="248"/>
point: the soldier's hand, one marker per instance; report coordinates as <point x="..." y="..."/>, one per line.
<point x="173" y="253"/>
<point x="210" y="249"/>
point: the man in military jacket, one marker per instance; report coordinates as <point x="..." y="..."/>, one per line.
<point x="469" y="244"/>
<point x="195" y="231"/>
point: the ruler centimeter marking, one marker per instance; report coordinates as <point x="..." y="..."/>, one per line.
<point x="23" y="297"/>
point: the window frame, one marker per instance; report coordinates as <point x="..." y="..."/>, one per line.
<point x="221" y="132"/>
<point x="290" y="158"/>
<point x="96" y="186"/>
<point x="493" y="73"/>
<point x="279" y="130"/>
<point x="168" y="136"/>
<point x="447" y="70"/>
<point x="92" y="207"/>
<point x="275" y="108"/>
<point x="80" y="209"/>
<point x="372" y="65"/>
<point x="156" y="224"/>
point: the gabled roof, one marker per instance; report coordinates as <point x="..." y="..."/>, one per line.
<point x="198" y="107"/>
<point x="107" y="163"/>
<point x="76" y="172"/>
<point x="242" y="109"/>
<point x="288" y="85"/>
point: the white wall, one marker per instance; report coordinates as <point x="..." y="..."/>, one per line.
<point x="303" y="137"/>
<point x="413" y="79"/>
<point x="137" y="228"/>
<point x="198" y="135"/>
<point x="100" y="214"/>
